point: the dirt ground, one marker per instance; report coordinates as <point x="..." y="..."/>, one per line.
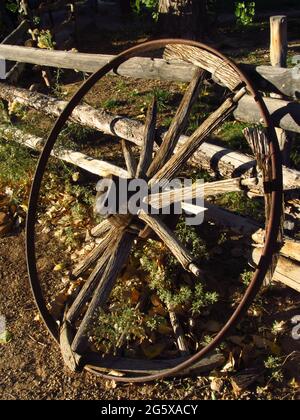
<point x="31" y="366"/>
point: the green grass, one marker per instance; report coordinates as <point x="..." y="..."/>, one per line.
<point x="240" y="203"/>
<point x="111" y="104"/>
<point x="231" y="132"/>
<point x="17" y="163"/>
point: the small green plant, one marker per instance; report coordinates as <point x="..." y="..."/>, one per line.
<point x="122" y="324"/>
<point x="150" y="6"/>
<point x="274" y="365"/>
<point x="12" y="6"/>
<point x="245" y="12"/>
<point x="162" y="96"/>
<point x="189" y="236"/>
<point x="240" y="203"/>
<point x="45" y="40"/>
<point x="163" y="278"/>
<point x="16" y="164"/>
<point x="232" y="133"/>
<point x="111" y="104"/>
<point x="246" y="277"/>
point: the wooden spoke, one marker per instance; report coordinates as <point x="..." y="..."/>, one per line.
<point x="148" y="143"/>
<point x="178" y="124"/>
<point x="94" y="255"/>
<point x="258" y="142"/>
<point x="175" y="246"/>
<point x="221" y="71"/>
<point x="71" y="359"/>
<point x="129" y="158"/>
<point x="89" y="286"/>
<point x="101" y="229"/>
<point x="179" y="334"/>
<point x="198" y="137"/>
<point x="198" y="190"/>
<point x="118" y="258"/>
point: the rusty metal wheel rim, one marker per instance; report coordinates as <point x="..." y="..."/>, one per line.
<point x="271" y="231"/>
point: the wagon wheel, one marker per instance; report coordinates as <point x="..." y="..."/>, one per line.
<point x="120" y="231"/>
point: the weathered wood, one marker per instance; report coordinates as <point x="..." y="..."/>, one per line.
<point x="221" y="71"/>
<point x="210" y="157"/>
<point x="178" y="123"/>
<point x="118" y="258"/>
<point x="85" y="115"/>
<point x="279" y="42"/>
<point x="131" y="164"/>
<point x="179" y="334"/>
<point x="259" y="144"/>
<point x="175" y="246"/>
<point x="278" y="55"/>
<point x="184" y="153"/>
<point x="91" y="283"/>
<point x="284" y="114"/>
<point x="94" y="166"/>
<point x="290" y="247"/>
<point x="148" y="141"/>
<point x="143" y="366"/>
<point x="71" y="359"/>
<point x="245" y="226"/>
<point x="16" y="37"/>
<point x="101" y="229"/>
<point x="200" y="189"/>
<point x="287" y="81"/>
<point x="287" y="270"/>
<point x="93" y="256"/>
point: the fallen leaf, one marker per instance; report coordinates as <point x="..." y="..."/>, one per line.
<point x="5" y="337"/>
<point x="116" y="373"/>
<point x="230" y="365"/>
<point x="58" y="267"/>
<point x="216" y="384"/>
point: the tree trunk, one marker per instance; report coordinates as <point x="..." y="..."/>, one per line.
<point x="182" y="18"/>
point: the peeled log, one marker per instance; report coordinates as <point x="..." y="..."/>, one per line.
<point x="285" y="114"/>
<point x="213" y="158"/>
<point x="94" y="166"/>
<point x="290" y="248"/>
<point x="287" y="271"/>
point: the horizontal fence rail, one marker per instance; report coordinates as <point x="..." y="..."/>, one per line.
<point x="267" y="78"/>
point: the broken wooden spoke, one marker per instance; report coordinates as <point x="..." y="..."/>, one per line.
<point x="258" y="142"/>
<point x="89" y="287"/>
<point x="176" y="162"/>
<point x="179" y="334"/>
<point x="200" y="189"/>
<point x="175" y="246"/>
<point x="148" y="143"/>
<point x="222" y="71"/>
<point x="93" y="256"/>
<point x="131" y="164"/>
<point x="178" y="124"/>
<point x="101" y="229"/>
<point x="118" y="258"/>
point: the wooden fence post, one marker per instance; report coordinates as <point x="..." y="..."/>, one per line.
<point x="278" y="56"/>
